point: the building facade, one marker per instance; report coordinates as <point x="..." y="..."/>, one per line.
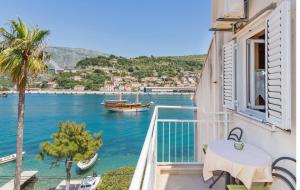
<point x="250" y="72"/>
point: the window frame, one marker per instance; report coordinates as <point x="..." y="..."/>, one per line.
<point x="241" y="78"/>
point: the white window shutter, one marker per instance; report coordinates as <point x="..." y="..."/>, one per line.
<point x="229" y="75"/>
<point x="278" y="68"/>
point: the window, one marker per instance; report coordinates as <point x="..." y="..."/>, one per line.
<point x="255" y="73"/>
<point x="263" y="74"/>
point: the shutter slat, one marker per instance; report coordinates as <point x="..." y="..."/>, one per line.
<point x="274" y="51"/>
<point x="274" y="69"/>
<point x="274" y="76"/>
<point x="275" y="31"/>
<point x="274" y="63"/>
<point x="275" y="114"/>
<point x="274" y="95"/>
<point x="274" y="82"/>
<point x="275" y="19"/>
<point x="274" y="107"/>
<point x="274" y="101"/>
<point x="274" y="57"/>
<point x="274" y="88"/>
<point x="273" y="26"/>
<point x="273" y="45"/>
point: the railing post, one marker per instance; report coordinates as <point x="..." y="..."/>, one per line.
<point x="169" y="141"/>
<point x="188" y="141"/>
<point x="163" y="142"/>
<point x="195" y="146"/>
<point x="181" y="141"/>
<point x="175" y="140"/>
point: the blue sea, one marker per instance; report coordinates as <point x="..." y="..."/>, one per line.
<point x="123" y="134"/>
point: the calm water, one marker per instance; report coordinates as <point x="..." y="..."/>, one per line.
<point x="123" y="133"/>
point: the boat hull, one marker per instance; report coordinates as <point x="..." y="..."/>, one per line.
<point x="3" y="95"/>
<point x="92" y="187"/>
<point x="82" y="165"/>
<point x="9" y="158"/>
<point x="128" y="108"/>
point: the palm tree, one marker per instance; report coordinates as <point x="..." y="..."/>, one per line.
<point x="20" y="58"/>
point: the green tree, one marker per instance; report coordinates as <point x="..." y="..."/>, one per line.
<point x="71" y="143"/>
<point x="20" y="58"/>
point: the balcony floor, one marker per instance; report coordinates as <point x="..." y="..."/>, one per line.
<point x="184" y="178"/>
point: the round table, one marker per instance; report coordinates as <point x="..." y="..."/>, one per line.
<point x="251" y="164"/>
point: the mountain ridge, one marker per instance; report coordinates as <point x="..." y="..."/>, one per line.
<point x="67" y="57"/>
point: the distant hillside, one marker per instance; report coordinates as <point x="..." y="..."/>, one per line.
<point x="67" y="58"/>
<point x="143" y="66"/>
<point x="161" y="64"/>
<point x="132" y="74"/>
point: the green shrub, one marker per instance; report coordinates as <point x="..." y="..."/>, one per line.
<point x="118" y="179"/>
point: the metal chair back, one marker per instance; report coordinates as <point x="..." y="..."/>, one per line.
<point x="283" y="173"/>
<point x="235" y="134"/>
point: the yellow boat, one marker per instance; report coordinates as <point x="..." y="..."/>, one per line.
<point x="123" y="105"/>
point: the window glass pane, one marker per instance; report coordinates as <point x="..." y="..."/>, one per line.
<point x="255" y="75"/>
<point x="260" y="76"/>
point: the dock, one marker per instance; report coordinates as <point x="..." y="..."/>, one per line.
<point x="74" y="184"/>
<point x="25" y="177"/>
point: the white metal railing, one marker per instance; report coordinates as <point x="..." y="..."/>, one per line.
<point x="146" y="163"/>
<point x="172" y="141"/>
<point x="178" y="141"/>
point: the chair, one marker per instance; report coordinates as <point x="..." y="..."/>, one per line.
<point x="277" y="171"/>
<point x="236" y="135"/>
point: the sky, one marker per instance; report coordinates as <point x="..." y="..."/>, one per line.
<point x="121" y="27"/>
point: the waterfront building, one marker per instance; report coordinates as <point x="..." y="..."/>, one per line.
<point x="52" y="84"/>
<point x="109" y="87"/>
<point x="248" y="81"/>
<point x="79" y="87"/>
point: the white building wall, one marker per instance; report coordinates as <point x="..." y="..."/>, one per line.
<point x="209" y="98"/>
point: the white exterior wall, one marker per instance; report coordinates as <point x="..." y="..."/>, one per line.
<point x="209" y="96"/>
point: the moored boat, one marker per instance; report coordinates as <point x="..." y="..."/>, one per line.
<point x="85" y="164"/>
<point x="89" y="183"/>
<point x="3" y="94"/>
<point x="131" y="107"/>
<point x="9" y="158"/>
<point x="123" y="105"/>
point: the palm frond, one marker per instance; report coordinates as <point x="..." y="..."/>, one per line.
<point x="39" y="35"/>
<point x="21" y="57"/>
<point x="7" y="36"/>
<point x="36" y="66"/>
<point x="19" y="28"/>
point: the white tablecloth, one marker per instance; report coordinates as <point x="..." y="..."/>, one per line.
<point x="249" y="165"/>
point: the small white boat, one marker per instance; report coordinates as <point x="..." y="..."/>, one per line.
<point x="83" y="165"/>
<point x="89" y="183"/>
<point x="9" y="158"/>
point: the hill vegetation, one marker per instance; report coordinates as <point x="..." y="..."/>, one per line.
<point x="118" y="179"/>
<point x="122" y="74"/>
<point x="132" y="74"/>
<point x="143" y="66"/>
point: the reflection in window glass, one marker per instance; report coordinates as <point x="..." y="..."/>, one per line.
<point x="256" y="97"/>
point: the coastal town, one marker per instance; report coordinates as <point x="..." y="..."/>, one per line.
<point x="111" y="77"/>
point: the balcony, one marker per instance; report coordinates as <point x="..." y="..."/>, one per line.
<point x="171" y="157"/>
